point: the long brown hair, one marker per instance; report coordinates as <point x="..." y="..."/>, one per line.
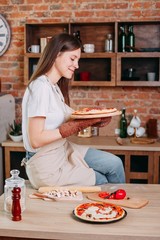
<point x="59" y="43"/>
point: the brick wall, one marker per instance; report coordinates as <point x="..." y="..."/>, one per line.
<point x="17" y="12"/>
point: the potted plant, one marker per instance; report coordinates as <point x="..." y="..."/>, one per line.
<point x="16" y="131"/>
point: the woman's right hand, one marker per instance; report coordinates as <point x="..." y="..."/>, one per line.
<point x="104" y="122"/>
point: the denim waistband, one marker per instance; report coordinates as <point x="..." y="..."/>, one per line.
<point x="29" y="154"/>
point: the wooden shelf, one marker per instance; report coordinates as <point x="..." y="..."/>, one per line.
<point x="98" y="55"/>
<point x="92" y="83"/>
<point x="107" y="69"/>
<point x="141" y="62"/>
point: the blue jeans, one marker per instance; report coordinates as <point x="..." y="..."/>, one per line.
<point x="108" y="167"/>
<point x="29" y="155"/>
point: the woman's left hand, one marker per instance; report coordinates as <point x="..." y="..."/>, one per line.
<point x="104" y="122"/>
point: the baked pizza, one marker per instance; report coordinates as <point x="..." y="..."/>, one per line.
<point x="99" y="212"/>
<point x="86" y="111"/>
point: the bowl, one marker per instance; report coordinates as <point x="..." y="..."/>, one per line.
<point x="16" y="138"/>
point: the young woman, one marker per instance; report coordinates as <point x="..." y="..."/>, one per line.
<point x="50" y="158"/>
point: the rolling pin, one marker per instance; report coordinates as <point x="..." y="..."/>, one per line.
<point x="83" y="189"/>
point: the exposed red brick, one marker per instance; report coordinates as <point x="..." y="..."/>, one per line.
<point x="157" y="4"/>
<point x="145" y="100"/>
<point x="33" y="2"/>
<point x="4" y="2"/>
<point x="26" y="8"/>
<point x="40" y="7"/>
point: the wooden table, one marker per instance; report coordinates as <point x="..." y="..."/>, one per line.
<point x="54" y="220"/>
<point x="128" y="149"/>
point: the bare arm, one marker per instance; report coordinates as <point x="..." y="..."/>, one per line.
<point x="38" y="135"/>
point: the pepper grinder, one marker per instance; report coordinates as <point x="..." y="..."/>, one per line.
<point x="16" y="207"/>
<point x="10" y="183"/>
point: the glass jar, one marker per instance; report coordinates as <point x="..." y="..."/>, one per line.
<point x="86" y="132"/>
<point x="10" y="183"/>
<point x="95" y="131"/>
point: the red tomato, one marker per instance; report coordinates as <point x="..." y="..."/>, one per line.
<point x="103" y="194"/>
<point x="120" y="194"/>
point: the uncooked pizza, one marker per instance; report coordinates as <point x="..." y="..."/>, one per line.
<point x="99" y="212"/>
<point x="87" y="111"/>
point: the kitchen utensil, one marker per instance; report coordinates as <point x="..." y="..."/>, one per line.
<point x="78" y="188"/>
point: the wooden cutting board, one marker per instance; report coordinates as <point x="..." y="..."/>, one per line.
<point x="86" y="116"/>
<point x="129" y="203"/>
<point x="142" y="140"/>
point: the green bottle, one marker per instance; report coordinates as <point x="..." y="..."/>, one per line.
<point x="123" y="124"/>
<point x="122" y="40"/>
<point x="131" y="39"/>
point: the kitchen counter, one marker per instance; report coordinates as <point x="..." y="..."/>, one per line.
<point x="110" y="143"/>
<point x="100" y="142"/>
<point x="150" y="154"/>
<point x="54" y="220"/>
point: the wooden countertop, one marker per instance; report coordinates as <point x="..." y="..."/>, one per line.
<point x="110" y="143"/>
<point x="101" y="142"/>
<point x="54" y="220"/>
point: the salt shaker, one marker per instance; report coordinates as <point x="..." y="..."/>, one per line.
<point x="10" y="183"/>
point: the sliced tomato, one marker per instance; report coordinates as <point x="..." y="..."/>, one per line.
<point x="112" y="196"/>
<point x="103" y="194"/>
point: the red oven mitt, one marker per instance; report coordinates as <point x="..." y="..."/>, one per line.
<point x="104" y="122"/>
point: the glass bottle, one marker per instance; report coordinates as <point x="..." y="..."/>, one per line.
<point x="122" y="40"/>
<point x="131" y="39"/>
<point x="10" y="183"/>
<point x="65" y="30"/>
<point x="109" y="43"/>
<point x="123" y="124"/>
<point x="78" y="36"/>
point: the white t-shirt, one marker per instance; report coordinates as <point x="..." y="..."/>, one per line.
<point x="43" y="98"/>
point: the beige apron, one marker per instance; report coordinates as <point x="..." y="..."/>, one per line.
<point x="59" y="163"/>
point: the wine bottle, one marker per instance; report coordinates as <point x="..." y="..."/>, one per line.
<point x="122" y="40"/>
<point x="131" y="39"/>
<point x="123" y="124"/>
